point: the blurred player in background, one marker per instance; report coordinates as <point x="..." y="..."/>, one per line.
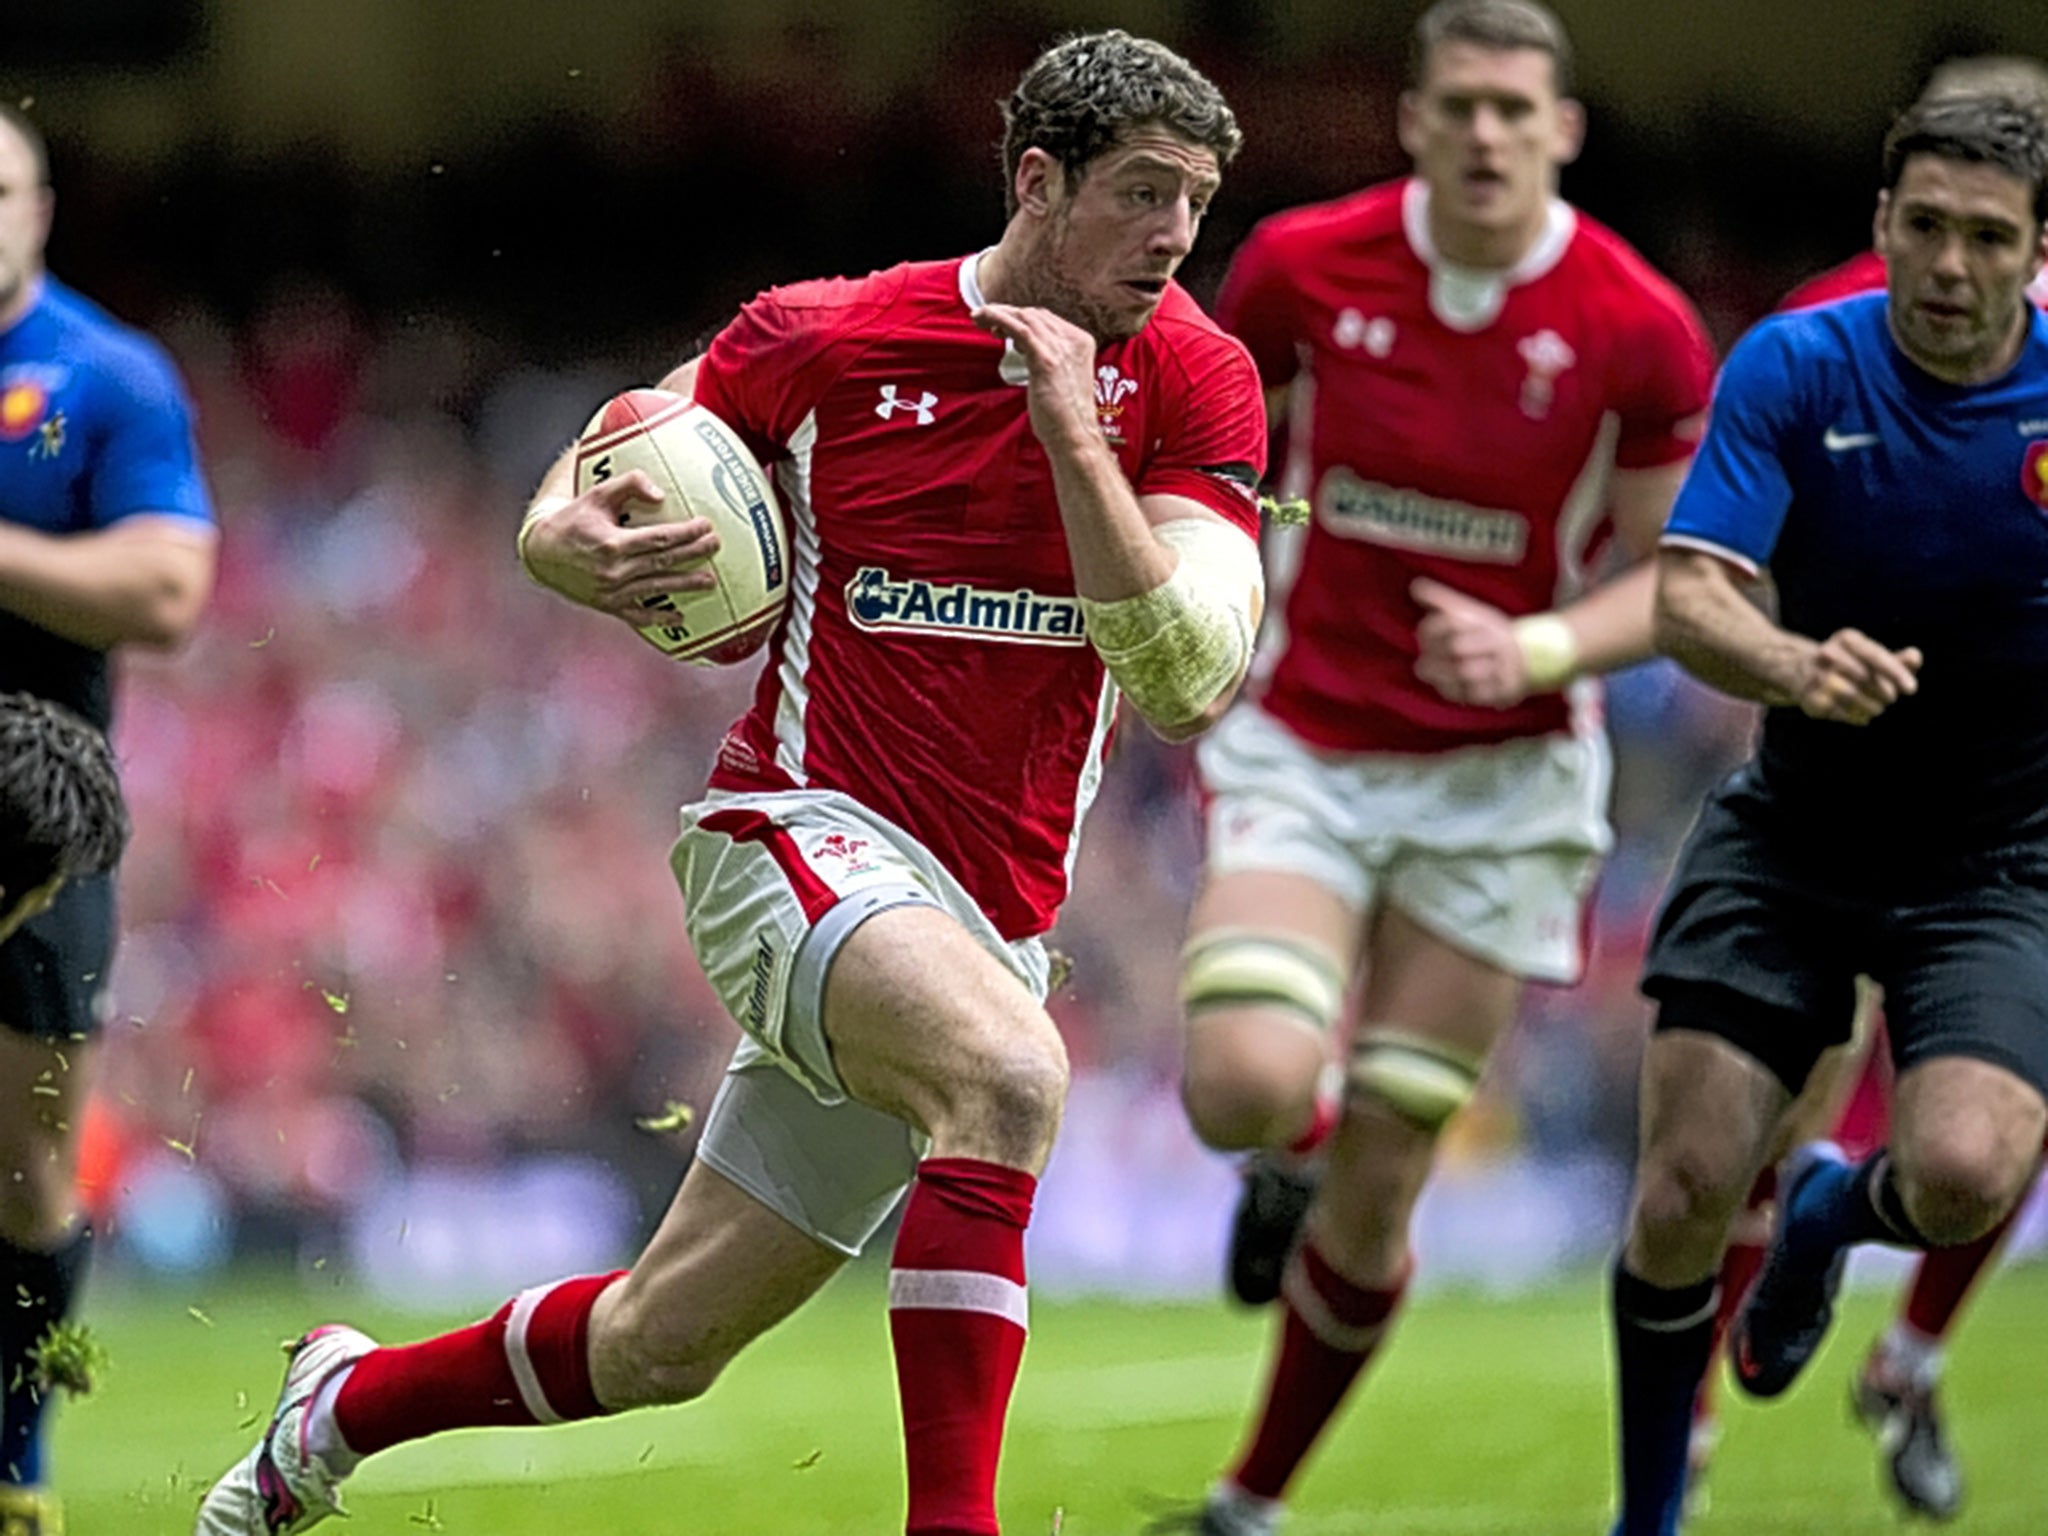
<point x="106" y="538"/>
<point x="1883" y="457"/>
<point x="1481" y="384"/>
<point x="1052" y="422"/>
<point x="1895" y="1391"/>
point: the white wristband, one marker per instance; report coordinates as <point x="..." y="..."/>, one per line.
<point x="1550" y="651"/>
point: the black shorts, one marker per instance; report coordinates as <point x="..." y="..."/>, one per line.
<point x="1761" y="939"/>
<point x="53" y="970"/>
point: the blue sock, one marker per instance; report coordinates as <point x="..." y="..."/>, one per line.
<point x="1841" y="1204"/>
<point x="35" y="1291"/>
<point x="1662" y="1341"/>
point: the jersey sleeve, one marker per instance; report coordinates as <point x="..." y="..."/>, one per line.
<point x="145" y="459"/>
<point x="1734" y="500"/>
<point x="1213" y="446"/>
<point x="753" y="377"/>
<point x="1257" y="305"/>
<point x="1660" y="424"/>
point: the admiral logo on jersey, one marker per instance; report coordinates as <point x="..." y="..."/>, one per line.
<point x="1403" y="519"/>
<point x="879" y="604"/>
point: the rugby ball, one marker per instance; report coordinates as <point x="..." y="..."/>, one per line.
<point x="704" y="470"/>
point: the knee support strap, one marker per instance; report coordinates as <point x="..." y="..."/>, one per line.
<point x="1421" y="1080"/>
<point x="1236" y="967"/>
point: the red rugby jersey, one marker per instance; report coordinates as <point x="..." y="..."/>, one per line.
<point x="1456" y="425"/>
<point x="932" y="663"/>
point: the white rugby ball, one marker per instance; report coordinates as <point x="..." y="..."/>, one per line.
<point x="704" y="470"/>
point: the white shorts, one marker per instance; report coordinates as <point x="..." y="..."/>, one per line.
<point x="1494" y="848"/>
<point x="773" y="885"/>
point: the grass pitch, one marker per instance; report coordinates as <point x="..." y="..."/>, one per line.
<point x="1486" y="1416"/>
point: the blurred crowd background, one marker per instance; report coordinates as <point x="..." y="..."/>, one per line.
<point x="402" y="988"/>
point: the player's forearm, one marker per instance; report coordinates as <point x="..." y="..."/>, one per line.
<point x="1706" y="625"/>
<point x="107" y="588"/>
<point x="1612" y="626"/>
<point x="1109" y="541"/>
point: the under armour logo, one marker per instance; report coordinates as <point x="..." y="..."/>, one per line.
<point x="922" y="405"/>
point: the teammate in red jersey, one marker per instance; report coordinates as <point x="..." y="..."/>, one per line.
<point x="1019" y="485"/>
<point x="1482" y="384"/>
<point x="1894" y="1393"/>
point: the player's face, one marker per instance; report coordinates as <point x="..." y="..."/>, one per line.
<point x="24" y="217"/>
<point x="1960" y="244"/>
<point x="1488" y="131"/>
<point x="1118" y="232"/>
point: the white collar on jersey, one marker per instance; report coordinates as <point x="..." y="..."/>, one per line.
<point x="1469" y="298"/>
<point x="1011" y="369"/>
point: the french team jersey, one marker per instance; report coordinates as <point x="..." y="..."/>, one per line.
<point x="933" y="663"/>
<point x="94" y="428"/>
<point x="1884" y="500"/>
<point x="1450" y="424"/>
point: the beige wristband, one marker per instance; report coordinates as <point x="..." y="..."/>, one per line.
<point x="1550" y="651"/>
<point x="540" y="509"/>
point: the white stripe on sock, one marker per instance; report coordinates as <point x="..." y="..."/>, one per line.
<point x="959" y="1290"/>
<point x="1300" y="1293"/>
<point x="530" y="1393"/>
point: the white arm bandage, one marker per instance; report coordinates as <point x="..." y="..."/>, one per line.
<point x="1173" y="649"/>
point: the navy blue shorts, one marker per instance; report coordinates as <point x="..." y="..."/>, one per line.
<point x="53" y="970"/>
<point x="1761" y="938"/>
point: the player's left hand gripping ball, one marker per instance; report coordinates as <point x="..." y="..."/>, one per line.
<point x="703" y="470"/>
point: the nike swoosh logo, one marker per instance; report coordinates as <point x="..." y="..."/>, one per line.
<point x="1842" y="442"/>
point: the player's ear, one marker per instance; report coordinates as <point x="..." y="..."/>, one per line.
<point x="1884" y="206"/>
<point x="1408" y="124"/>
<point x="1571" y="129"/>
<point x="1038" y="183"/>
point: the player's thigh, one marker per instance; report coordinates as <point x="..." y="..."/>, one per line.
<point x="924" y="1023"/>
<point x="721" y="1270"/>
<point x="1262" y="983"/>
<point x="1421" y="983"/>
<point x="1967" y="1005"/>
<point x="53" y="980"/>
<point x="1752" y="947"/>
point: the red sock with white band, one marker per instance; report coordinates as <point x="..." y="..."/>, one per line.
<point x="957" y="1317"/>
<point x="527" y="1363"/>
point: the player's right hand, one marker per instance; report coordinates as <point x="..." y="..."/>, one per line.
<point x="584" y="549"/>
<point x="1853" y="679"/>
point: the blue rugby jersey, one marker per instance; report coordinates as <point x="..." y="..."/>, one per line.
<point x="1885" y="500"/>
<point x="94" y="428"/>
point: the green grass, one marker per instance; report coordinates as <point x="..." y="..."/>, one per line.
<point x="1485" y="1417"/>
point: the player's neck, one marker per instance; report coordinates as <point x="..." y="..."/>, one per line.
<point x="1463" y="244"/>
<point x="23" y="299"/>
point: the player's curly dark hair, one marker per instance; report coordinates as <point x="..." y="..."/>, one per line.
<point x="1493" y="24"/>
<point x="1083" y="94"/>
<point x="1983" y="130"/>
<point x="61" y="809"/>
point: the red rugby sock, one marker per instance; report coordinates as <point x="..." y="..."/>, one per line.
<point x="524" y="1364"/>
<point x="957" y="1319"/>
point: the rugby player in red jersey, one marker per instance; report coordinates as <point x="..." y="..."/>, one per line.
<point x="1020" y="485"/>
<point x="1482" y="387"/>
